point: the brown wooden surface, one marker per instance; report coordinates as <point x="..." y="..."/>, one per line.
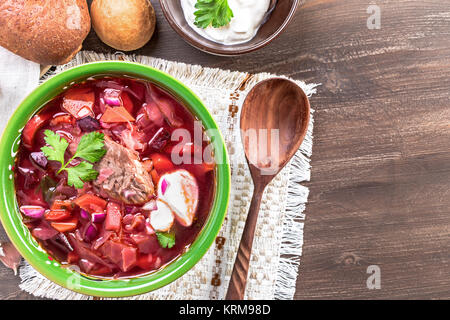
<point x="380" y="187"/>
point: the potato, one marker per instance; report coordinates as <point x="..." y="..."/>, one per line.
<point x="123" y="24"/>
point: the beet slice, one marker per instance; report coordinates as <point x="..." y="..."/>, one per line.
<point x="88" y="124"/>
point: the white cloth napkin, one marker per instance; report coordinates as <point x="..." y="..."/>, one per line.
<point x="17" y="78"/>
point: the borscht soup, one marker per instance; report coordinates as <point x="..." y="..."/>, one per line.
<point x="107" y="181"/>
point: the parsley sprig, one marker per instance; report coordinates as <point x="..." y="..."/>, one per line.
<point x="166" y="240"/>
<point x="212" y="12"/>
<point x="91" y="148"/>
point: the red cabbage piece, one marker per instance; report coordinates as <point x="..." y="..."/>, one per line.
<point x="86" y="265"/>
<point x="39" y="160"/>
<point x="44" y="231"/>
<point x="85" y="252"/>
<point x="65" y="241"/>
<point x="159" y="139"/>
<point x="136" y="89"/>
<point x="164" y="105"/>
<point x="104" y="236"/>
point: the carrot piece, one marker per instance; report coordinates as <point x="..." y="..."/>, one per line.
<point x="66" y="118"/>
<point x="57" y="215"/>
<point x="155" y="176"/>
<point x="116" y="114"/>
<point x="90" y="203"/>
<point x="65" y="226"/>
<point x="62" y="205"/>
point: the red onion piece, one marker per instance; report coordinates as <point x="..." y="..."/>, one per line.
<point x="111" y="97"/>
<point x="150" y="206"/>
<point x="101" y="105"/>
<point x="35" y="212"/>
<point x="112" y="102"/>
<point x="90" y="233"/>
<point x="164" y="185"/>
<point x="154" y="114"/>
<point x="98" y="217"/>
<point x="84" y="214"/>
<point x="66" y="242"/>
<point x="148" y="228"/>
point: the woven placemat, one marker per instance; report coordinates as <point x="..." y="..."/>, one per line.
<point x="279" y="235"/>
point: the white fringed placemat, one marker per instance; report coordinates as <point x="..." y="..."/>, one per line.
<point x="279" y="235"/>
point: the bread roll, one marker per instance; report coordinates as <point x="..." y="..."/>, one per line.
<point x="49" y="32"/>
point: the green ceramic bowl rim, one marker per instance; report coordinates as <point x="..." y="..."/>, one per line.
<point x="19" y="233"/>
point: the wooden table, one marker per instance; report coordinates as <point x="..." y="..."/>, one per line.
<point x="380" y="187"/>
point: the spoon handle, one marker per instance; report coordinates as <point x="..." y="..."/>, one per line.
<point x="238" y="279"/>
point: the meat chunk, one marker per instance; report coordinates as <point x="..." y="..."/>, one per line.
<point x="127" y="179"/>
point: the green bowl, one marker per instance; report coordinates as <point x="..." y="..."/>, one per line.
<point x="67" y="276"/>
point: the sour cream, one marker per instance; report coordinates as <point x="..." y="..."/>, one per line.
<point x="179" y="190"/>
<point x="248" y="16"/>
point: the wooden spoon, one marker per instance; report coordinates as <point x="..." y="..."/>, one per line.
<point x="275" y="109"/>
